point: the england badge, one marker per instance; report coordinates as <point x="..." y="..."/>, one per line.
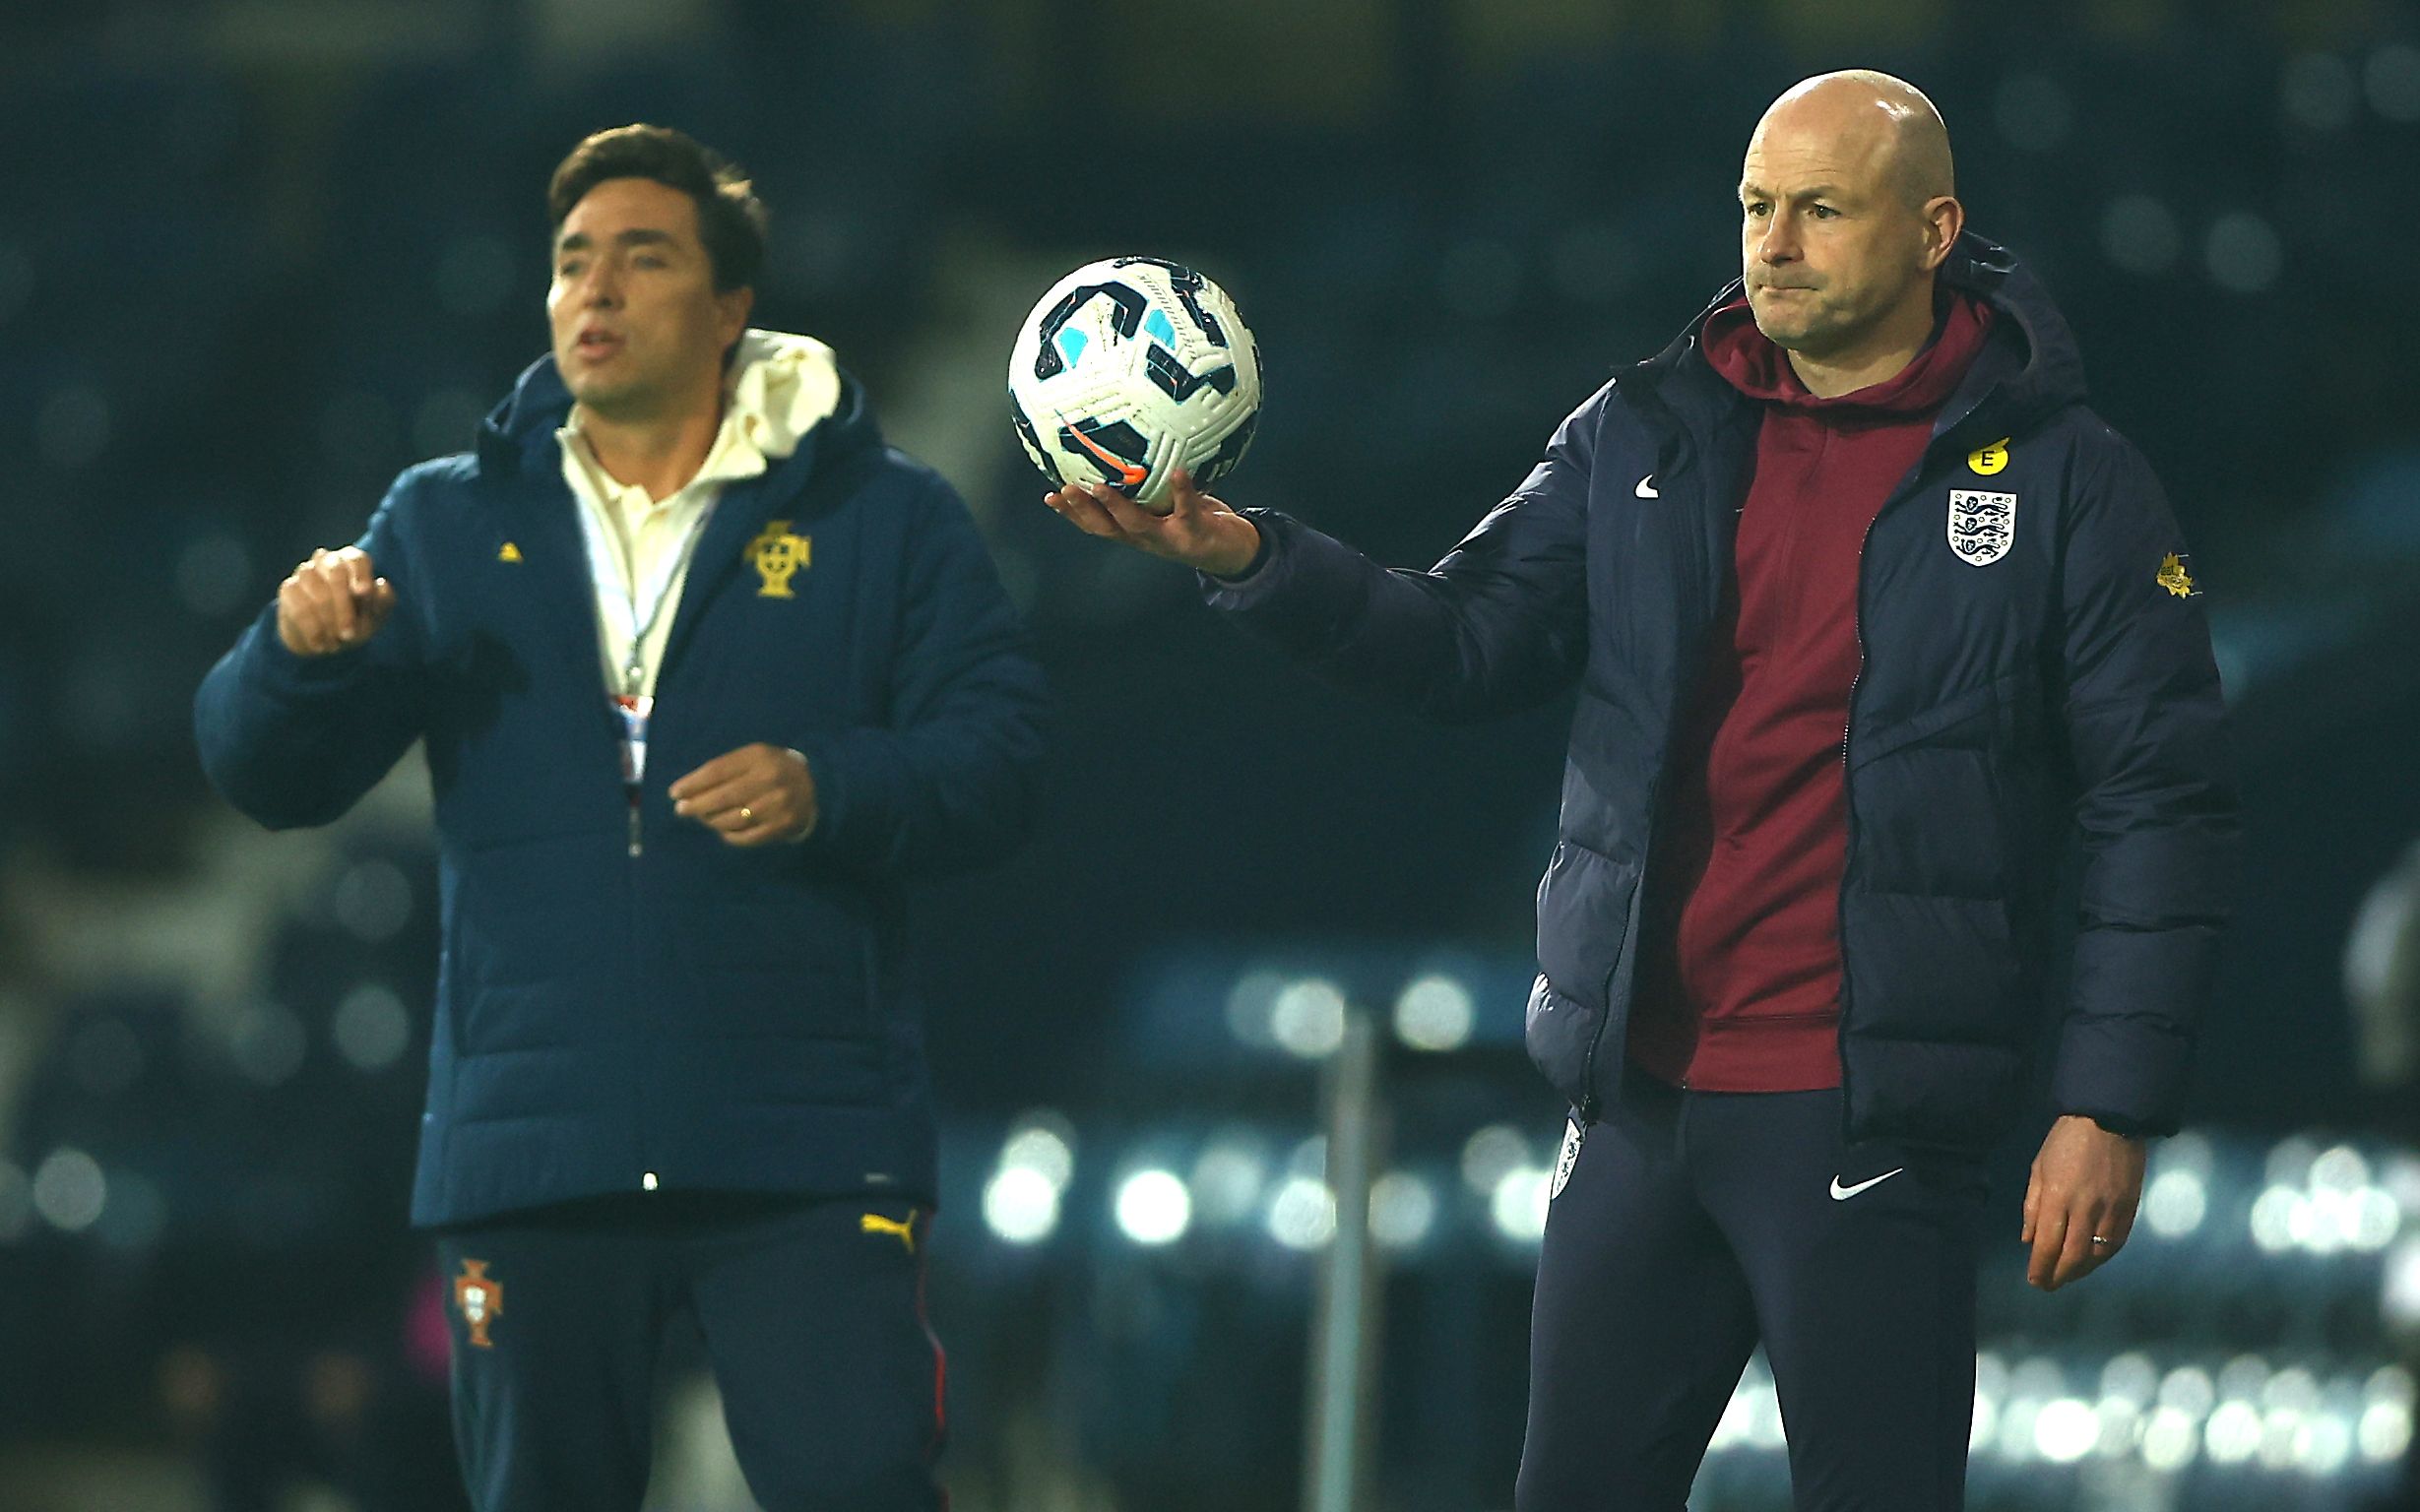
<point x="1981" y="525"/>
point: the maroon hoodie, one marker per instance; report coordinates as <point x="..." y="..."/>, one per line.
<point x="1742" y="992"/>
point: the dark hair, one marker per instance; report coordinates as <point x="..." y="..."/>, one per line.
<point x="730" y="219"/>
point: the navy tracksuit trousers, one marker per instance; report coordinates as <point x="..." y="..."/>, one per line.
<point x="811" y="1312"/>
<point x="1694" y="1225"/>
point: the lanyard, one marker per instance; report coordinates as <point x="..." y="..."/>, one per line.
<point x="628" y="606"/>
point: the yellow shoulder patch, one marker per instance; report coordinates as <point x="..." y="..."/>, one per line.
<point x="1988" y="459"/>
<point x="875" y="1223"/>
<point x="2174" y="578"/>
<point x="510" y="553"/>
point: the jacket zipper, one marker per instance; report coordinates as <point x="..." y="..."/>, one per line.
<point x="1848" y="816"/>
<point x="648" y="1180"/>
<point x="1848" y="726"/>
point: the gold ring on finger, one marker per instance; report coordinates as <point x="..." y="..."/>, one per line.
<point x="747" y="815"/>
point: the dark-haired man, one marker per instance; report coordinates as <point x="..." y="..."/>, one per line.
<point x="705" y="674"/>
<point x="1867" y="615"/>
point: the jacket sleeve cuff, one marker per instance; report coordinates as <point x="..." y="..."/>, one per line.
<point x="1264" y="542"/>
<point x="2127" y="1076"/>
<point x="1252" y="584"/>
<point x="272" y="669"/>
<point x="2123" y="1128"/>
<point x="849" y="799"/>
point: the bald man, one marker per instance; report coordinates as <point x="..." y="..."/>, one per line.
<point x="1872" y="624"/>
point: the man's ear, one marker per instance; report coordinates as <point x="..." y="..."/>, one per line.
<point x="1945" y="219"/>
<point x="732" y="308"/>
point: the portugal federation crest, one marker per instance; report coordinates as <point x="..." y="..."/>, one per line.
<point x="777" y="556"/>
<point x="1981" y="525"/>
<point x="480" y="1298"/>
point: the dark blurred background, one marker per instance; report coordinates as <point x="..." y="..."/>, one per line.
<point x="258" y="255"/>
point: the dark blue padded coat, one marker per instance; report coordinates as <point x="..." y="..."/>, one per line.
<point x="2036" y="669"/>
<point x="622" y="1008"/>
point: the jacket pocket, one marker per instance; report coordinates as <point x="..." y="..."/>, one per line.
<point x="1587" y="912"/>
<point x="1584" y="918"/>
<point x="784" y="962"/>
<point x="1558" y="1030"/>
<point x="1964" y="721"/>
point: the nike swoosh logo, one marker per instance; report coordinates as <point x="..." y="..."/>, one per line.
<point x="1844" y="1193"/>
<point x="1133" y="475"/>
<point x="1646" y="487"/>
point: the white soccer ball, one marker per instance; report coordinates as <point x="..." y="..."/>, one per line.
<point x="1131" y="368"/>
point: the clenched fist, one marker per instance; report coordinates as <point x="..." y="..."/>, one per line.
<point x="333" y="603"/>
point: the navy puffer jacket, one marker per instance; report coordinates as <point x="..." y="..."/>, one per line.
<point x="624" y="1003"/>
<point x="2037" y="671"/>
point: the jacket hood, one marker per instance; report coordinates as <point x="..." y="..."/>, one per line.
<point x="2029" y="368"/>
<point x="789" y="390"/>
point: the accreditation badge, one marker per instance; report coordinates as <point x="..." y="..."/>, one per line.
<point x="632" y="709"/>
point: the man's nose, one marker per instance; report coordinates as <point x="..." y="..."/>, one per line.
<point x="1779" y="242"/>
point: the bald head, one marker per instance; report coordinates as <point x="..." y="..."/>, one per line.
<point x="1885" y="125"/>
<point x="1848" y="208"/>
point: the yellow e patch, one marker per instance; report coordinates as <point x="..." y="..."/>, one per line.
<point x="2173" y="577"/>
<point x="1988" y="459"/>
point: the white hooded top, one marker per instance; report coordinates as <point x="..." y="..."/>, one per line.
<point x="779" y="387"/>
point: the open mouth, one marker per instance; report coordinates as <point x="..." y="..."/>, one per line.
<point x="597" y="345"/>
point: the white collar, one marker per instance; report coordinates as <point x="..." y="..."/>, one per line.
<point x="779" y="387"/>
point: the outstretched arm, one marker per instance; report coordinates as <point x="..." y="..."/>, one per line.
<point x="1499" y="624"/>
